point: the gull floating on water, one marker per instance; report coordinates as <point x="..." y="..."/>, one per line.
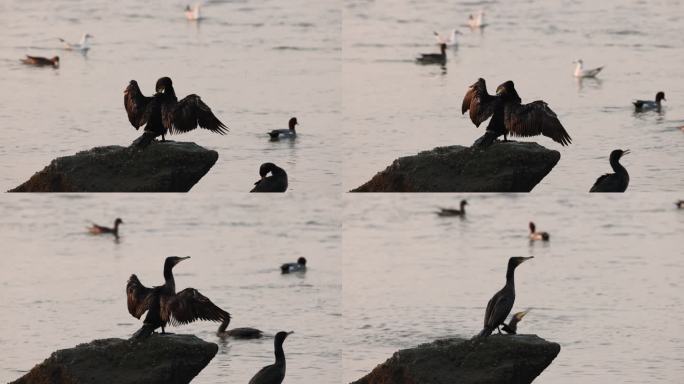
<point x="580" y="72"/>
<point x="476" y="21"/>
<point x="192" y="13"/>
<point x="448" y="40"/>
<point x="83" y="45"/>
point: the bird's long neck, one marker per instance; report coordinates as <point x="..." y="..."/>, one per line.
<point x="168" y="278"/>
<point x="279" y="354"/>
<point x="510" y="273"/>
<point x="617" y="167"/>
<point x="292" y="127"/>
<point x="463" y="208"/>
<point x="224" y="325"/>
<point x="116" y="227"/>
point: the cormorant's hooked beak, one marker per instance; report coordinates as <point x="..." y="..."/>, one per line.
<point x="182" y="258"/>
<point x="522" y="314"/>
<point x="524" y="259"/>
<point x="289" y="333"/>
<point x="626" y="152"/>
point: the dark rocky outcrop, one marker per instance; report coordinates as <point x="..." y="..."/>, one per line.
<point x="167" y="359"/>
<point x="500" y="359"/>
<point x="502" y="167"/>
<point x="161" y="167"/>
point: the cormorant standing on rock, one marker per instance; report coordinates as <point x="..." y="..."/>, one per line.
<point x="274" y="373"/>
<point x="299" y="266"/>
<point x="98" y="229"/>
<point x="613" y="182"/>
<point x="501" y="303"/>
<point x="534" y="235"/>
<point x="164" y="305"/>
<point x="445" y="212"/>
<point x="163" y="112"/>
<point x="512" y="327"/>
<point x="238" y="333"/>
<point x="277" y="182"/>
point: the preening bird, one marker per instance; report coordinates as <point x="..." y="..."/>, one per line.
<point x="276" y="182"/>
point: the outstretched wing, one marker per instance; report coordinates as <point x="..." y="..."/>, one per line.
<point x="479" y="102"/>
<point x="535" y="118"/>
<point x="190" y="112"/>
<point x="139" y="297"/>
<point x="136" y="104"/>
<point x="189" y="305"/>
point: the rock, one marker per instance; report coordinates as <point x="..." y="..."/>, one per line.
<point x="500" y="359"/>
<point x="502" y="167"/>
<point x="161" y="167"/>
<point x="155" y="360"/>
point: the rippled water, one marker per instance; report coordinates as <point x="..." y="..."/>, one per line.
<point x="393" y="107"/>
<point x="607" y="286"/>
<point x="62" y="286"/>
<point x="256" y="63"/>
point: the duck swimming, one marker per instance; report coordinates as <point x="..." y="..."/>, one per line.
<point x="649" y="105"/>
<point x="448" y="40"/>
<point x="238" y="333"/>
<point x="83" y="45"/>
<point x="536" y="236"/>
<point x="277" y="182"/>
<point x="580" y="72"/>
<point x="512" y="327"/>
<point x="509" y="116"/>
<point x="613" y="182"/>
<point x="163" y="113"/>
<point x="433" y="58"/>
<point x="446" y="212"/>
<point x="98" y="229"/>
<point x="39" y="61"/>
<point x="289" y="133"/>
<point x="274" y="373"/>
<point x="299" y="266"/>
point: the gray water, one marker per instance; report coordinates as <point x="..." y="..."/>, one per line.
<point x="255" y="63"/>
<point x="607" y="286"/>
<point x="62" y="286"/>
<point x="393" y="107"/>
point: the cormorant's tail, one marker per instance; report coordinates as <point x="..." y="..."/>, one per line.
<point x="144" y="140"/>
<point x="144" y="332"/>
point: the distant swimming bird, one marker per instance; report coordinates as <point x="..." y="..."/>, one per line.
<point x="238" y="333"/>
<point x="98" y="229"/>
<point x="83" y="45"/>
<point x="680" y="204"/>
<point x="476" y="21"/>
<point x="277" y="182"/>
<point x="649" y="105"/>
<point x="299" y="266"/>
<point x="163" y="305"/>
<point x="192" y="13"/>
<point x="501" y="303"/>
<point x="509" y="116"/>
<point x="41" y="61"/>
<point x="285" y="133"/>
<point x="581" y="72"/>
<point x="433" y="58"/>
<point x="452" y="211"/>
<point x="274" y="373"/>
<point x="535" y="236"/>
<point x="163" y="112"/>
<point x="512" y="327"/>
<point x="613" y="182"/>
<point x="448" y="40"/>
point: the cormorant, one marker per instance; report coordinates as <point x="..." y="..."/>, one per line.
<point x="98" y="229"/>
<point x="277" y="182"/>
<point x="238" y="333"/>
<point x="433" y="58"/>
<point x="453" y="212"/>
<point x="299" y="266"/>
<point x="163" y="305"/>
<point x="580" y="72"/>
<point x="82" y="46"/>
<point x="274" y="373"/>
<point x="509" y="116"/>
<point x="285" y="133"/>
<point x="534" y="235"/>
<point x="501" y="304"/>
<point x="163" y="112"/>
<point x="613" y="182"/>
<point x="512" y="327"/>
<point x="680" y="204"/>
<point x="41" y="61"/>
<point x="649" y="105"/>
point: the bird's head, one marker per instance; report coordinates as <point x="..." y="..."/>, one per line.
<point x="281" y="336"/>
<point x="301" y="261"/>
<point x="164" y="84"/>
<point x="118" y="221"/>
<point x="265" y="169"/>
<point x="87" y="36"/>
<point x="519" y="315"/>
<point x="505" y="88"/>
<point x="517" y="260"/>
<point x="618" y="153"/>
<point x="660" y="96"/>
<point x="578" y="61"/>
<point x="292" y="122"/>
<point x="171" y="261"/>
<point x="55" y="60"/>
<point x="463" y="202"/>
<point x="443" y="47"/>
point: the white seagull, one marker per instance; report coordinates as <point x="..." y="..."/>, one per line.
<point x="82" y="45"/>
<point x="192" y="13"/>
<point x="581" y="72"/>
<point x="475" y="22"/>
<point x="450" y="40"/>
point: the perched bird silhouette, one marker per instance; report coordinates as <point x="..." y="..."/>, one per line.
<point x="276" y="182"/>
<point x="274" y="373"/>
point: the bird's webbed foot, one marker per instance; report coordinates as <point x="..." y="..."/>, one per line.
<point x="486" y="140"/>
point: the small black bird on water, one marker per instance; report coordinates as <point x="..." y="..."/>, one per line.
<point x="289" y="133"/>
<point x="446" y="212"/>
<point x="38" y="61"/>
<point x="163" y="305"/>
<point x="299" y="266"/>
<point x="509" y="116"/>
<point x="649" y="105"/>
<point x="501" y="303"/>
<point x="163" y="112"/>
<point x="277" y="182"/>
<point x="238" y="333"/>
<point x="613" y="182"/>
<point x="98" y="229"/>
<point x="433" y="58"/>
<point x="274" y="373"/>
<point x="512" y="327"/>
<point x="680" y="204"/>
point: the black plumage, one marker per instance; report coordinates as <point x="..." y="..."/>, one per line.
<point x="163" y="305"/>
<point x="39" y="61"/>
<point x="446" y="212"/>
<point x="289" y="133"/>
<point x="274" y="373"/>
<point x="299" y="266"/>
<point x="434" y="58"/>
<point x="163" y="113"/>
<point x="238" y="333"/>
<point x="649" y="105"/>
<point x="613" y="182"/>
<point x="276" y="182"/>
<point x="512" y="327"/>
<point x="99" y="229"/>
<point x="509" y="115"/>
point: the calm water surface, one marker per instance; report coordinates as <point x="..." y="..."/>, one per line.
<point x="393" y="107"/>
<point x="62" y="286"/>
<point x="607" y="286"/>
<point x="256" y="63"/>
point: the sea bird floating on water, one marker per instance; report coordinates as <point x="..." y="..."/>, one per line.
<point x="289" y="133"/>
<point x="277" y="182"/>
<point x="83" y="45"/>
<point x="680" y="204"/>
<point x="535" y="236"/>
<point x="299" y="266"/>
<point x="274" y="373"/>
<point x="39" y="61"/>
<point x="163" y="305"/>
<point x="238" y="333"/>
<point x="512" y="327"/>
<point x="649" y="105"/>
<point x="580" y="72"/>
<point x="163" y="112"/>
<point x="613" y="182"/>
<point x="476" y="21"/>
<point x="448" y="40"/>
<point x="446" y="212"/>
<point x="98" y="229"/>
<point x="433" y="58"/>
<point x="193" y="13"/>
<point x="509" y="116"/>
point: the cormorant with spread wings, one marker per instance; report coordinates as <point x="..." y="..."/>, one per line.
<point x="509" y="116"/>
<point x="163" y="305"/>
<point x="163" y="112"/>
